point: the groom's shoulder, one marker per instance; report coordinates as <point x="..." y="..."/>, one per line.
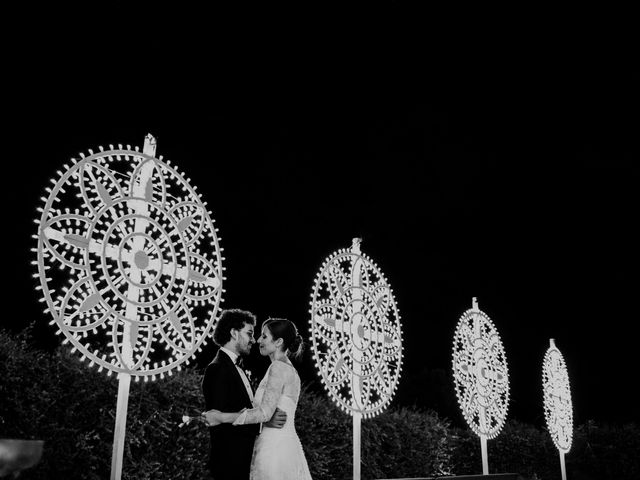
<point x="216" y="371"/>
<point x="217" y="362"/>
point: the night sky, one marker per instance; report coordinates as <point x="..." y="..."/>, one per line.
<point x="518" y="187"/>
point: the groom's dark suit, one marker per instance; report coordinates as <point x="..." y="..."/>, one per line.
<point x="231" y="446"/>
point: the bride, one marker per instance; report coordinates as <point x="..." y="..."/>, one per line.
<point x="277" y="453"/>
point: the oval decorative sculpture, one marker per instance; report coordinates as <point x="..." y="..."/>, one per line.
<point x="558" y="408"/>
<point x="481" y="376"/>
<point x="480" y="373"/>
<point x="356" y="332"/>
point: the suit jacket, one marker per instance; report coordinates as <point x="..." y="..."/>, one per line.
<point x="231" y="447"/>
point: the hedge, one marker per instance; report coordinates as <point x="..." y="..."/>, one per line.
<point x="56" y="398"/>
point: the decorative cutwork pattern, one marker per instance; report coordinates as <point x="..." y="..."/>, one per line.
<point x="558" y="409"/>
<point x="480" y="373"/>
<point x="356" y="332"/>
<point x="129" y="262"/>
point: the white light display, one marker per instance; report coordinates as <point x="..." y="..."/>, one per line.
<point x="129" y="263"/>
<point x="481" y="375"/>
<point x="356" y="336"/>
<point x="558" y="409"/>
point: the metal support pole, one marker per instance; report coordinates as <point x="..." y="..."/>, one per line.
<point x="131" y="329"/>
<point x="124" y="381"/>
<point x="485" y="458"/>
<point x="357" y="419"/>
<point x="356" y="387"/>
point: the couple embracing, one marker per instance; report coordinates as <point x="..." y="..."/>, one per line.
<point x="252" y="435"/>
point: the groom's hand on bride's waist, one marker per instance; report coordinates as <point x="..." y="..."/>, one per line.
<point x="278" y="419"/>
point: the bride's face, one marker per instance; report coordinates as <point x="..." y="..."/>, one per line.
<point x="267" y="344"/>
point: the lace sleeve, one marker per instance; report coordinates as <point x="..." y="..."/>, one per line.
<point x="275" y="383"/>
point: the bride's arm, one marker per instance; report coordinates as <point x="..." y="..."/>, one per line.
<point x="216" y="417"/>
<point x="262" y="413"/>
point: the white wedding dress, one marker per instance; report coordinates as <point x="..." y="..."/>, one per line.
<point x="277" y="454"/>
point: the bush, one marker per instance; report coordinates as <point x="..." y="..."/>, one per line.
<point x="54" y="397"/>
<point x="605" y="451"/>
<point x="405" y="442"/>
<point x="57" y="399"/>
<point x="325" y="435"/>
<point x="398" y="443"/>
<point x="519" y="448"/>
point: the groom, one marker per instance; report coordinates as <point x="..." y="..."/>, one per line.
<point x="226" y="388"/>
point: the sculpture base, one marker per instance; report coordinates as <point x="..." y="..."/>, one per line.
<point x="495" y="476"/>
<point x="18" y="455"/>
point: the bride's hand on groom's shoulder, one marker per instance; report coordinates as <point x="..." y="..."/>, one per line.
<point x="277" y="420"/>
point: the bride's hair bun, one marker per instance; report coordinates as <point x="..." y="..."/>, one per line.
<point x="296" y="347"/>
<point x="285" y="329"/>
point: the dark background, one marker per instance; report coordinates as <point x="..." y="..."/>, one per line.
<point x="508" y="175"/>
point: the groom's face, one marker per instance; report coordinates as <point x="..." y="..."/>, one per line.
<point x="245" y="339"/>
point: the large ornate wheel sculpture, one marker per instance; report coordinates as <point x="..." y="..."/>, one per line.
<point x="480" y="373"/>
<point x="129" y="262"/>
<point x="356" y="332"/>
<point x="558" y="409"/>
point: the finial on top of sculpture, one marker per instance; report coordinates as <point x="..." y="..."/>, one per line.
<point x="150" y="144"/>
<point x="355" y="245"/>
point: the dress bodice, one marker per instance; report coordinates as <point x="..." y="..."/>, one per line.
<point x="279" y="388"/>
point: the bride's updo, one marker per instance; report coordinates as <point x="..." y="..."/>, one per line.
<point x="287" y="331"/>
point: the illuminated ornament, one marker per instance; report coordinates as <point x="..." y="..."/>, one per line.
<point x="129" y="265"/>
<point x="558" y="409"/>
<point x="481" y="376"/>
<point x="356" y="336"/>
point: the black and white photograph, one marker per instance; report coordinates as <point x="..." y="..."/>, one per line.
<point x="245" y="249"/>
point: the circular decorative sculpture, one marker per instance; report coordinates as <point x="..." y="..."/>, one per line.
<point x="480" y="373"/>
<point x="558" y="409"/>
<point x="129" y="262"/>
<point x="356" y="332"/>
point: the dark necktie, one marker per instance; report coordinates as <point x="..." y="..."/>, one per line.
<point x="240" y="362"/>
